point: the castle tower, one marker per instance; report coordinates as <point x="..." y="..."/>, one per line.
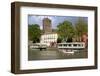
<point x="47" y="28"/>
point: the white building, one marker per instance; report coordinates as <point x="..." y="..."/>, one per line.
<point x="48" y="39"/>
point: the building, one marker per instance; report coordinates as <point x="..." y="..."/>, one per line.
<point x="85" y="39"/>
<point x="49" y="39"/>
<point x="47" y="27"/>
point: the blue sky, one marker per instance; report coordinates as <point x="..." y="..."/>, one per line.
<point x="37" y="19"/>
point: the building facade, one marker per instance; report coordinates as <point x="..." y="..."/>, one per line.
<point x="49" y="39"/>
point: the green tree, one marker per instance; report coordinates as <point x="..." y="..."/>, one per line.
<point x="59" y="40"/>
<point x="65" y="30"/>
<point x="34" y="33"/>
<point x="81" y="28"/>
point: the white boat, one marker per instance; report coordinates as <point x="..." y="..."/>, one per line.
<point x="71" y="48"/>
<point x="38" y="46"/>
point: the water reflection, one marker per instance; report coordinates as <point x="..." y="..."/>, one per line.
<point x="54" y="53"/>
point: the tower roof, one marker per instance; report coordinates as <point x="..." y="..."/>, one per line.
<point x="46" y="19"/>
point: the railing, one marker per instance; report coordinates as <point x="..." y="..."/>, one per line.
<point x="71" y="45"/>
<point x="38" y="46"/>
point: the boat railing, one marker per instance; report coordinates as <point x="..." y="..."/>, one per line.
<point x="72" y="45"/>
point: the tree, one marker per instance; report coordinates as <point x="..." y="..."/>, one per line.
<point x="59" y="40"/>
<point x="81" y="28"/>
<point x="65" y="30"/>
<point x="34" y="33"/>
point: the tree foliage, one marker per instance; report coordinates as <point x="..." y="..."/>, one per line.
<point x="34" y="32"/>
<point x="65" y="30"/>
<point x="81" y="27"/>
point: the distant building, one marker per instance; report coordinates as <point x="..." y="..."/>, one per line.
<point x="47" y="26"/>
<point x="49" y="39"/>
<point x="85" y="39"/>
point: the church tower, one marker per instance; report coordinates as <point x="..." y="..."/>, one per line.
<point x="47" y="28"/>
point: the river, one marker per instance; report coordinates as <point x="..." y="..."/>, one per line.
<point x="54" y="53"/>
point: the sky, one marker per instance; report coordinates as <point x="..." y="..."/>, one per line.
<point x="55" y="20"/>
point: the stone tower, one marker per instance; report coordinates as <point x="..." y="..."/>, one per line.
<point x="47" y="28"/>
